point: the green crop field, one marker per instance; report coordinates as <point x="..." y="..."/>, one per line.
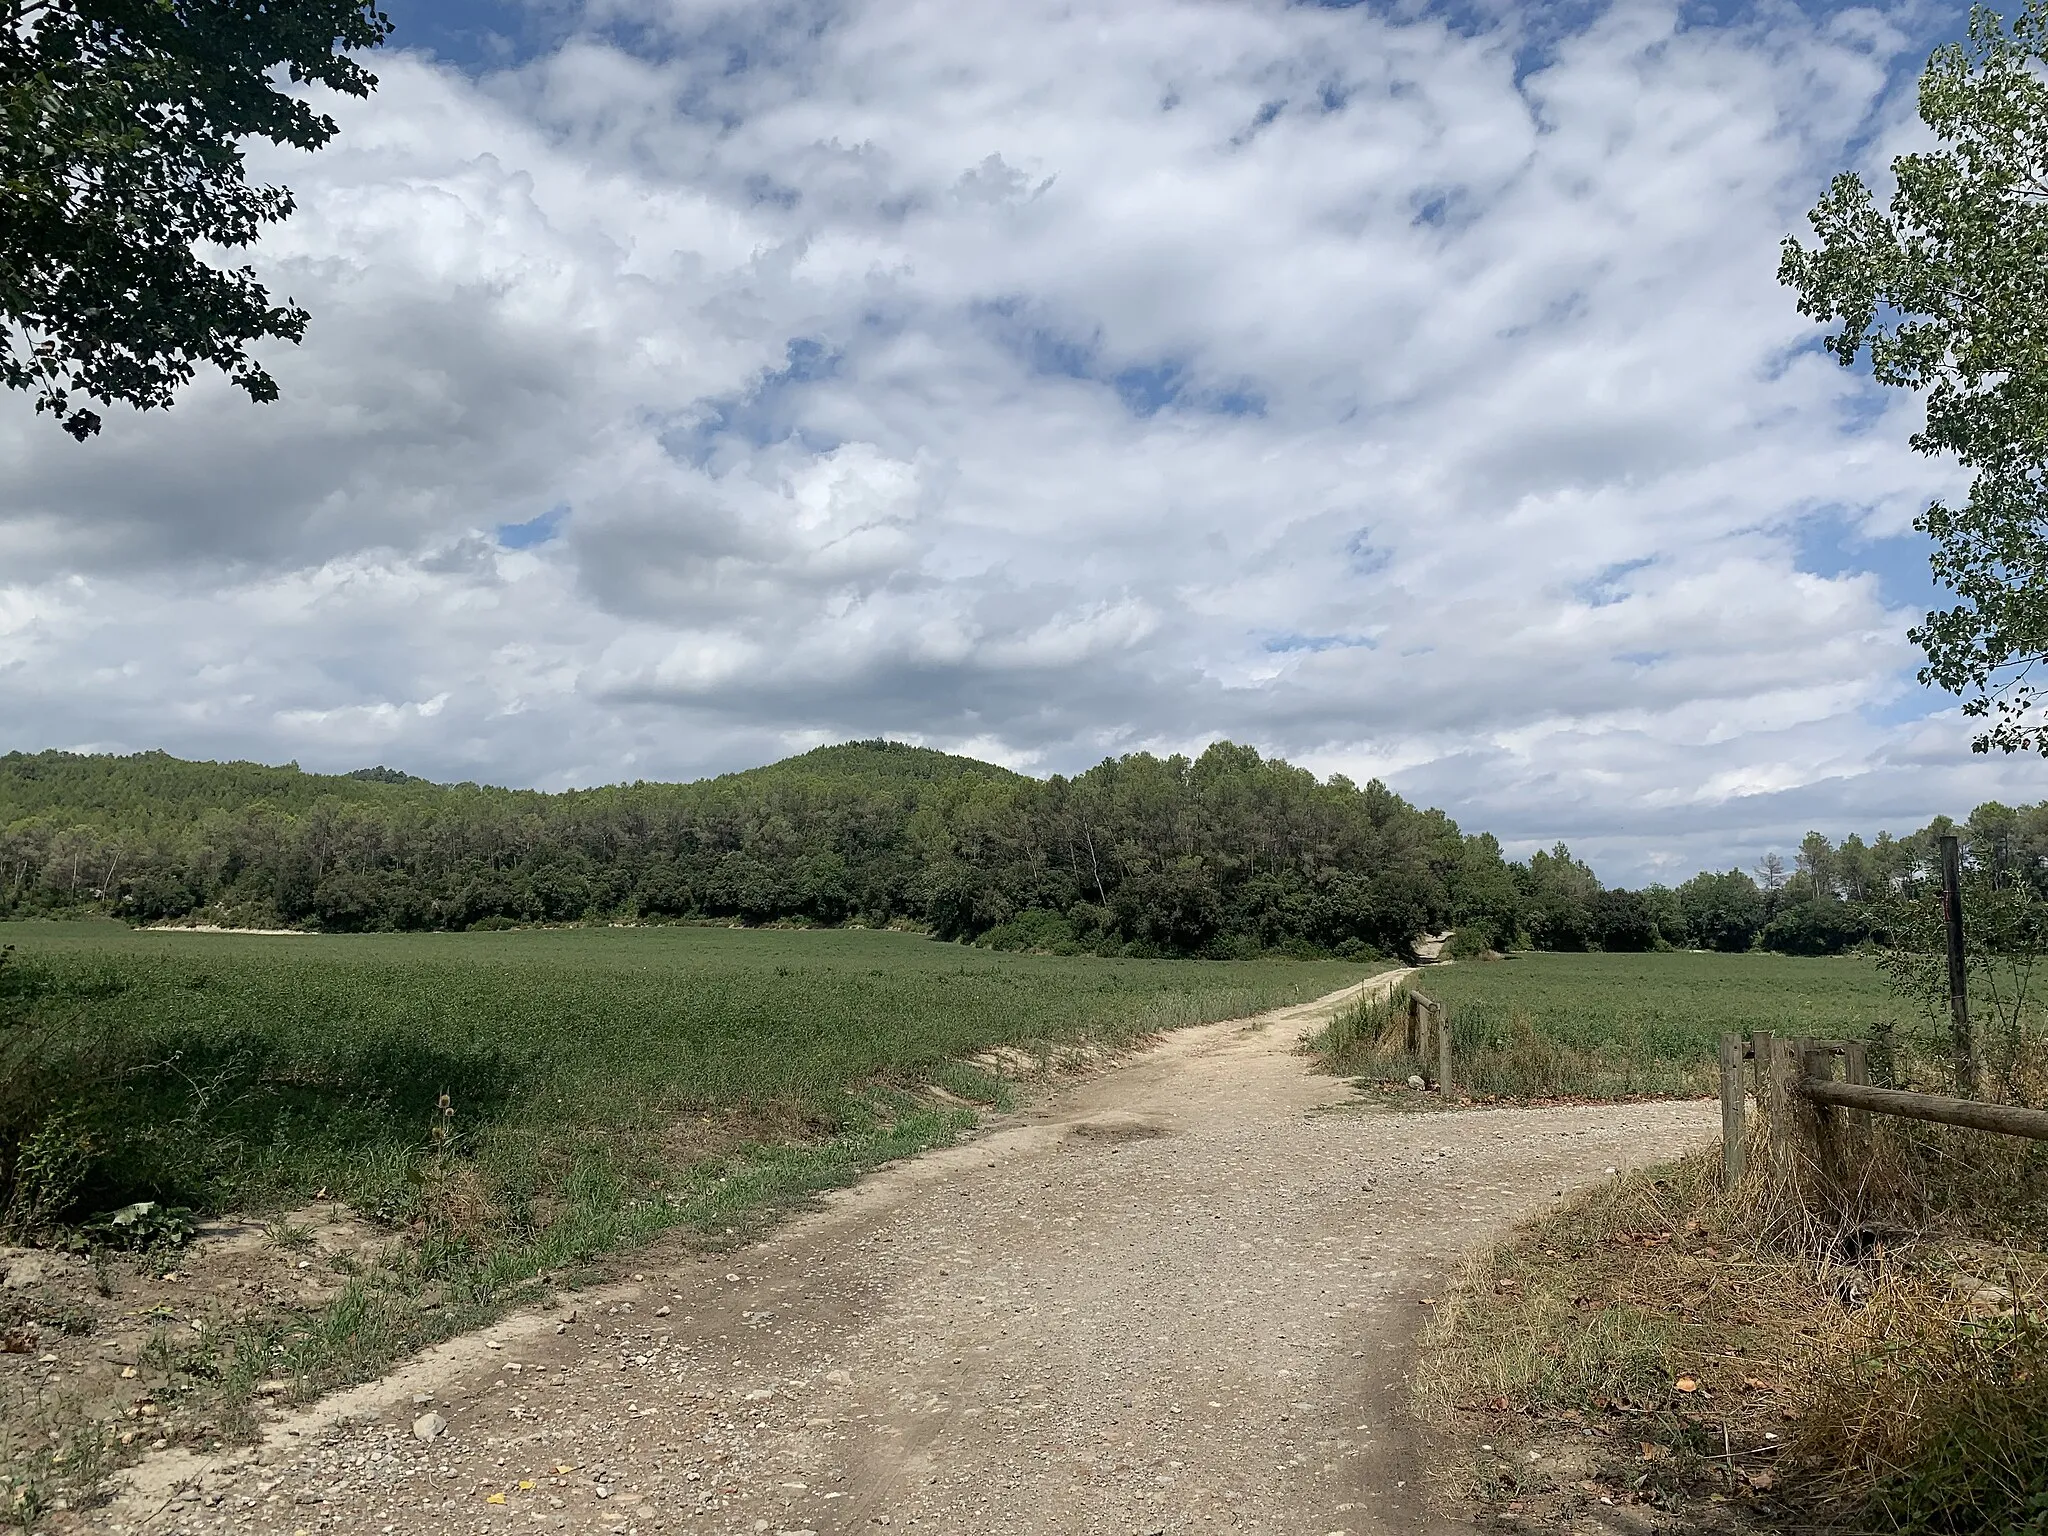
<point x="602" y="1086"/>
<point x="218" y="1070"/>
<point x="1613" y="1026"/>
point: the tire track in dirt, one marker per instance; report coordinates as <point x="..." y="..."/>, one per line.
<point x="1176" y="1296"/>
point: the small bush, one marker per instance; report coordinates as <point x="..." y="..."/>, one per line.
<point x="1033" y="929"/>
<point x="1473" y="941"/>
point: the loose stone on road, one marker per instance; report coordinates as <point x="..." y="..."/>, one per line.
<point x="1178" y="1296"/>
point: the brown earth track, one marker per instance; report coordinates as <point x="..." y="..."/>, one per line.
<point x="1177" y="1296"/>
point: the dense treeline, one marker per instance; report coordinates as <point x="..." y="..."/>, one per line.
<point x="1832" y="898"/>
<point x="1225" y="854"/>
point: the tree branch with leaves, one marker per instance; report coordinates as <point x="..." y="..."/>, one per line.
<point x="1942" y="290"/>
<point x="122" y="126"/>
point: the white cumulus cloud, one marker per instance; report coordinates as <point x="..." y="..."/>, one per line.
<point x="1044" y="382"/>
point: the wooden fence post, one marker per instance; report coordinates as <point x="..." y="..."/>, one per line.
<point x="1443" y="1051"/>
<point x="1414" y="1041"/>
<point x="1764" y="1047"/>
<point x="1856" y="1063"/>
<point x="1961" y="1039"/>
<point x="1733" y="1103"/>
<point x="1856" y="1069"/>
<point x="1819" y="1123"/>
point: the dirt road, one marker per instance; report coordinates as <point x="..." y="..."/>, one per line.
<point x="1177" y="1296"/>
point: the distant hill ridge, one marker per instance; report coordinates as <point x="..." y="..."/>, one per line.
<point x="116" y="789"/>
<point x="882" y="759"/>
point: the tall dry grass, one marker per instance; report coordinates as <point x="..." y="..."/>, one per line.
<point x="1882" y="1369"/>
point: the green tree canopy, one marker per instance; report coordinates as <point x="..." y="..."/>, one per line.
<point x="1942" y="289"/>
<point x="121" y="132"/>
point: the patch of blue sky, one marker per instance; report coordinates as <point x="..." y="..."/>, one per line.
<point x="1866" y="404"/>
<point x="1268" y="110"/>
<point x="476" y="35"/>
<point x="1541" y="28"/>
<point x="1642" y="658"/>
<point x="1813" y="344"/>
<point x="1149" y="389"/>
<point x="1609" y="585"/>
<point x="769" y="412"/>
<point x="535" y="531"/>
<point x="1830" y="542"/>
<point x="1145" y="389"/>
<point x="1012" y="324"/>
<point x="1442" y="208"/>
<point x="1915" y="702"/>
<point x="1289" y="641"/>
<point x="483" y="36"/>
<point x="1558" y="311"/>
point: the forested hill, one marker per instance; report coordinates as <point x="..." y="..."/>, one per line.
<point x="1225" y="854"/>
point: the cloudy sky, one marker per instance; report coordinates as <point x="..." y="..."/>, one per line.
<point x="1405" y="390"/>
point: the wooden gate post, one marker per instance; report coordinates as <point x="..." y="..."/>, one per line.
<point x="1734" y="1130"/>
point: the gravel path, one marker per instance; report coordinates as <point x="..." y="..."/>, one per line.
<point x="1177" y="1296"/>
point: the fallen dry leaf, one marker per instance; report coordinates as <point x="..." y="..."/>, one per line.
<point x="1688" y="1384"/>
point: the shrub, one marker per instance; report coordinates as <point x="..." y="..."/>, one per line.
<point x="1825" y="927"/>
<point x="1033" y="928"/>
<point x="1472" y="941"/>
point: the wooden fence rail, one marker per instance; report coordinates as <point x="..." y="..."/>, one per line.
<point x="1972" y="1114"/>
<point x="1795" y="1085"/>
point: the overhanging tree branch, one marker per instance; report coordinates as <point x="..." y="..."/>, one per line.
<point x="121" y="125"/>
